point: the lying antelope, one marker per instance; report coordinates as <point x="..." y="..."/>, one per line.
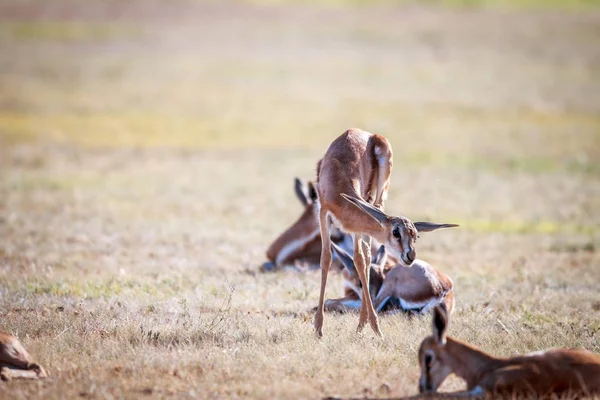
<point x="15" y="361"/>
<point x="551" y="372"/>
<point x="415" y="290"/>
<point x="300" y="244"/>
<point x="353" y="178"/>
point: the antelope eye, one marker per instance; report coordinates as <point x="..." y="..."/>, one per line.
<point x="396" y="233"/>
<point x="428" y="359"/>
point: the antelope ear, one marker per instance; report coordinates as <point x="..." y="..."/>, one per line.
<point x="300" y="191"/>
<point x="431" y="226"/>
<point x="344" y="258"/>
<point x="367" y="208"/>
<point x="312" y="192"/>
<point x="380" y="257"/>
<point x="440" y="323"/>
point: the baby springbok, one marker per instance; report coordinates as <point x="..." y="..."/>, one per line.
<point x="546" y="373"/>
<point x="299" y="246"/>
<point x="415" y="290"/>
<point x="15" y="361"/>
<point x="353" y="179"/>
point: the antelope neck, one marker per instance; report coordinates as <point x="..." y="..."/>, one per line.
<point x="470" y="363"/>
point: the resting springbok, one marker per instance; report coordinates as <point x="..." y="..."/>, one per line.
<point x="299" y="246"/>
<point x="545" y="373"/>
<point x="301" y="242"/>
<point x="353" y="178"/>
<point x="415" y="290"/>
<point x="15" y="361"/>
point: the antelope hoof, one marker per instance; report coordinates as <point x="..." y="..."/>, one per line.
<point x="360" y="327"/>
<point x="378" y="332"/>
<point x="40" y="371"/>
<point x="268" y="266"/>
<point x="375" y="326"/>
<point x="319" y="324"/>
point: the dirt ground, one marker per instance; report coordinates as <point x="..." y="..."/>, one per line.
<point x="147" y="157"/>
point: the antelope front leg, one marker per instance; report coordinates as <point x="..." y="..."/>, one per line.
<point x="325" y="265"/>
<point x="372" y="314"/>
<point x="382" y="297"/>
<point x="366" y="309"/>
<point x="7" y="374"/>
<point x="342" y="305"/>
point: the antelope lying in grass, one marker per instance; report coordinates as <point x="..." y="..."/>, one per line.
<point x="15" y="361"/>
<point x="352" y="183"/>
<point x="299" y="246"/>
<point x="415" y="290"/>
<point x="545" y="373"/>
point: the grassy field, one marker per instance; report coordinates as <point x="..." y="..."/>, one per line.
<point x="147" y="157"/>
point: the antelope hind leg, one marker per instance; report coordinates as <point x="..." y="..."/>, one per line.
<point x="7" y="374"/>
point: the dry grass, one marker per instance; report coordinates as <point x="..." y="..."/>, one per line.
<point x="146" y="161"/>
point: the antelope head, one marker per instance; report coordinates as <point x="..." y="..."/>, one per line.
<point x="433" y="358"/>
<point x="376" y="270"/>
<point x="398" y="234"/>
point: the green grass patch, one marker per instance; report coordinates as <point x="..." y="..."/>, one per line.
<point x="527" y="227"/>
<point x="67" y="31"/>
<point x="518" y="4"/>
<point x="103" y="288"/>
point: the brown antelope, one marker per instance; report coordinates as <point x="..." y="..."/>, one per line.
<point x="301" y="242"/>
<point x="545" y="373"/>
<point x="415" y="290"/>
<point x="299" y="246"/>
<point x="353" y="178"/>
<point x="15" y="361"/>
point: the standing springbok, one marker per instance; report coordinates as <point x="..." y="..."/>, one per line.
<point x="353" y="178"/>
<point x="551" y="372"/>
<point x="415" y="290"/>
<point x="299" y="246"/>
<point x="15" y="361"/>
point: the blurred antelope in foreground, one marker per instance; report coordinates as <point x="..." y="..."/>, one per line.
<point x="544" y="373"/>
<point x="299" y="246"/>
<point x="15" y="361"/>
<point x="353" y="178"/>
<point x="415" y="290"/>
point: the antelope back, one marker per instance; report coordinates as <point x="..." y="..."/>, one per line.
<point x="12" y="352"/>
<point x="420" y="287"/>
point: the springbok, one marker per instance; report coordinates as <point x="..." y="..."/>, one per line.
<point x="15" y="361"/>
<point x="301" y="242"/>
<point x="299" y="246"/>
<point x="414" y="290"/>
<point x="357" y="166"/>
<point x="545" y="373"/>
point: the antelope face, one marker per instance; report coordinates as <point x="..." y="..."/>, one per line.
<point x="400" y="232"/>
<point x="433" y="358"/>
<point x="352" y="280"/>
<point x="434" y="369"/>
<point x="401" y="239"/>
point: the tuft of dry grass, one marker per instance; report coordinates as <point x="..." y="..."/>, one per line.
<point x="147" y="156"/>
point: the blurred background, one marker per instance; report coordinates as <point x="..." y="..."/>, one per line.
<point x="191" y="118"/>
<point x="148" y="151"/>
